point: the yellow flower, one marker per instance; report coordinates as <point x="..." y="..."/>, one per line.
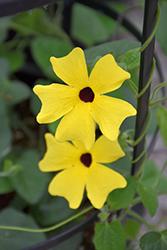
<point x="81" y="168"/>
<point x="81" y="102"/>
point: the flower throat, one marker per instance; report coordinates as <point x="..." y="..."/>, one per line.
<point x="86" y="159"/>
<point x="86" y="95"/>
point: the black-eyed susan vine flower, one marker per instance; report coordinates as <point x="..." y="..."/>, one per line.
<point x="82" y="168"/>
<point x="81" y="102"/>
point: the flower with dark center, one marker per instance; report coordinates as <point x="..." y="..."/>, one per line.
<point x="80" y="168"/>
<point x="82" y="103"/>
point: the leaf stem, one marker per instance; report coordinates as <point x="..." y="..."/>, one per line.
<point x="138" y="217"/>
<point x="48" y="228"/>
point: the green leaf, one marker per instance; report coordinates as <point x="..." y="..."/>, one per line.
<point x="4" y="66"/>
<point x="109" y="236"/>
<point x="89" y="27"/>
<point x="150" y="175"/>
<point x="119" y="47"/>
<point x="5" y="186"/>
<point x="149" y="198"/>
<point x="5" y="135"/>
<point x="153" y="241"/>
<point x="132" y="229"/>
<point x="4" y="27"/>
<point x="15" y="92"/>
<point x="161" y="113"/>
<point x="121" y="198"/>
<point x="43" y="48"/>
<point x="51" y="210"/>
<point x="131" y="58"/>
<point x="11" y="239"/>
<point x="29" y="182"/>
<point x="161" y="34"/>
<point x="15" y="58"/>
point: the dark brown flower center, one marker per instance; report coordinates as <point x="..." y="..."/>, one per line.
<point x="86" y="95"/>
<point x="86" y="159"/>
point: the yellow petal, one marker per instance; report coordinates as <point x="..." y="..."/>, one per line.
<point x="72" y="68"/>
<point x="57" y="100"/>
<point x="109" y="113"/>
<point x="70" y="184"/>
<point x="100" y="182"/>
<point x="77" y="125"/>
<point x="107" y="76"/>
<point x="58" y="155"/>
<point x="105" y="150"/>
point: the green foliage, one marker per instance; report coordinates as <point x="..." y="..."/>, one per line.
<point x="161" y="113"/>
<point x="44" y="47"/>
<point x="154" y="240"/>
<point x="29" y="186"/>
<point x="116" y="47"/>
<point x="132" y="229"/>
<point x="51" y="210"/>
<point x="131" y="59"/>
<point x="109" y="236"/>
<point x="16" y="239"/>
<point x="121" y="198"/>
<point x="149" y="198"/>
<point x="153" y="177"/>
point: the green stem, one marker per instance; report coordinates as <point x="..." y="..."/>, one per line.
<point x="158" y="101"/>
<point x="161" y="222"/>
<point x="48" y="228"/>
<point x="153" y="32"/>
<point x="149" y="81"/>
<point x="155" y="90"/>
<point x="133" y="86"/>
<point x="136" y="201"/>
<point x="140" y="156"/>
<point x="160" y="174"/>
<point x="141" y="167"/>
<point x="138" y="217"/>
<point x="144" y="131"/>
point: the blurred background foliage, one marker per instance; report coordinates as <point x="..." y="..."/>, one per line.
<point x="27" y="40"/>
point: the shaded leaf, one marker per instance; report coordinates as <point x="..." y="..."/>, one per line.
<point x="161" y="113"/>
<point x="11" y="239"/>
<point x="149" y="198"/>
<point x="119" y="47"/>
<point x="121" y="198"/>
<point x="109" y="236"/>
<point x="29" y="182"/>
<point x="44" y="47"/>
<point x="132" y="229"/>
<point x="153" y="241"/>
<point x="131" y="58"/>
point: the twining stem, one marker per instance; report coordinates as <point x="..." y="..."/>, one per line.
<point x="155" y="90"/>
<point x="160" y="174"/>
<point x="73" y="217"/>
<point x="132" y="86"/>
<point x="130" y="212"/>
<point x="153" y="32"/>
<point x="149" y="81"/>
<point x="161" y="222"/>
<point x="145" y="129"/>
<point x="157" y="102"/>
